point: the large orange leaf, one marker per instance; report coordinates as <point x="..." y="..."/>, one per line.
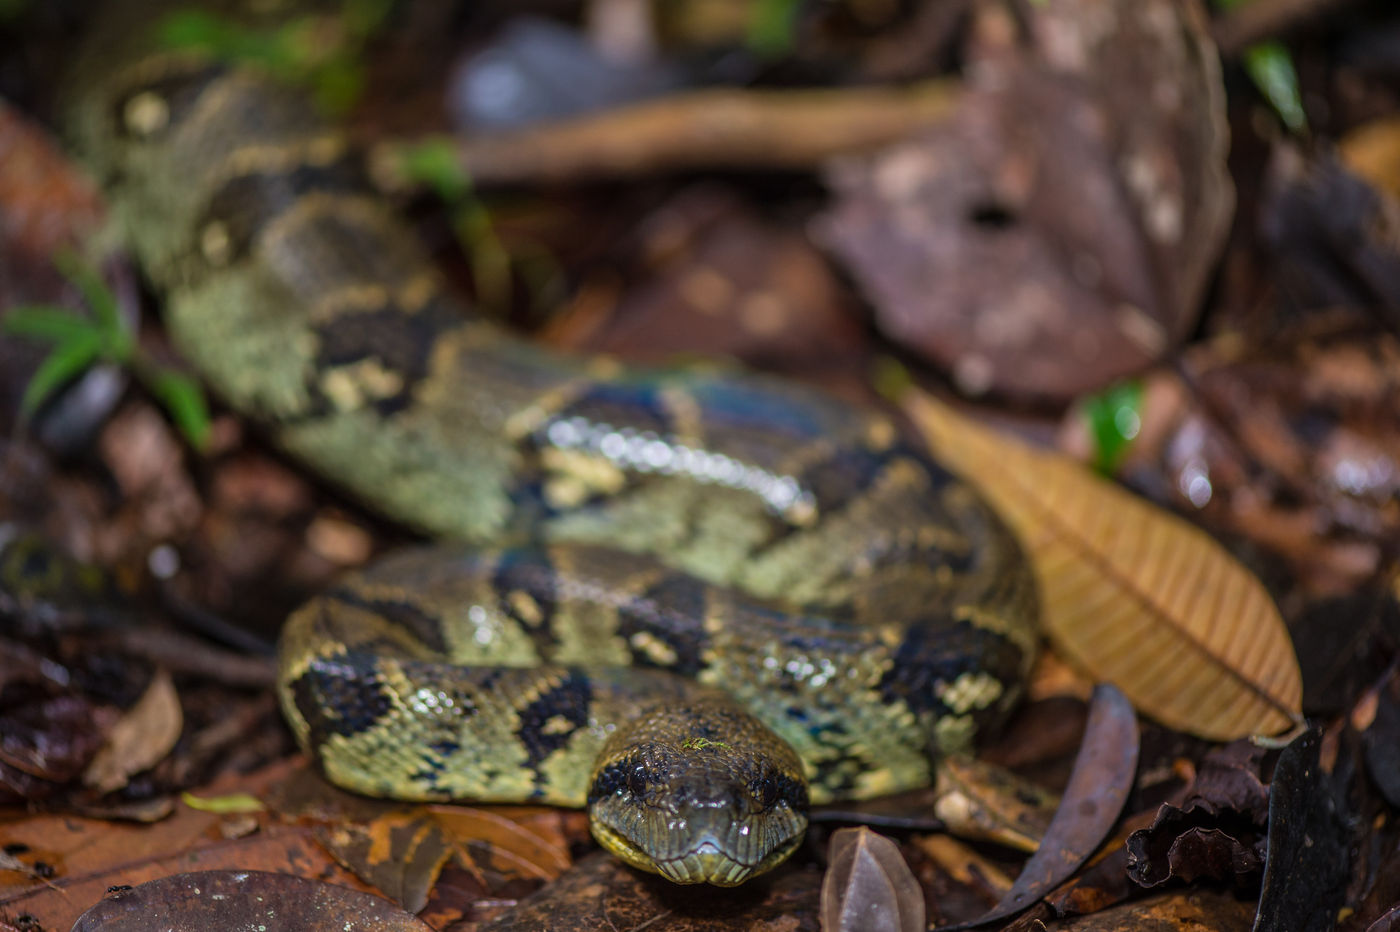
<point x="1133" y="595"/>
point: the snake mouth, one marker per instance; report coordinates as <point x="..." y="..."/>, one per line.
<point x="726" y="856"/>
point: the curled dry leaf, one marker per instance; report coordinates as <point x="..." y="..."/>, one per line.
<point x="869" y="887"/>
<point x="140" y="739"/>
<point x="1136" y="596"/>
<point x="1217" y="831"/>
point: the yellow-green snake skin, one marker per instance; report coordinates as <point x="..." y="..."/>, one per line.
<point x="691" y="601"/>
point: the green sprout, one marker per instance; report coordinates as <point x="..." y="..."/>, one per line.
<point x="1115" y="419"/>
<point x="1270" y="67"/>
<point x="81" y="341"/>
<point x="772" y="27"/>
<point x="322" y="53"/>
<point x="433" y="163"/>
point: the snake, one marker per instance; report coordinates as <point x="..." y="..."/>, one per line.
<point x="695" y="601"/>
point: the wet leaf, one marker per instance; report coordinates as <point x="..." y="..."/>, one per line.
<point x="229" y="899"/>
<point x="868" y="886"/>
<point x="140" y="739"/>
<point x="402" y="852"/>
<point x="1180" y="911"/>
<point x="87" y="855"/>
<point x="402" y="849"/>
<point x="602" y="893"/>
<point x="1098" y="787"/>
<point x="1305" y="875"/>
<point x="1136" y="596"/>
<point x="1382" y="737"/>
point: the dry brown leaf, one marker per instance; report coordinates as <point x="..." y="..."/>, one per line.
<point x="868" y="886"/>
<point x="1135" y="596"/>
<point x="141" y="739"/>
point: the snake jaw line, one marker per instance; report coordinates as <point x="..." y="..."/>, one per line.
<point x="707" y="860"/>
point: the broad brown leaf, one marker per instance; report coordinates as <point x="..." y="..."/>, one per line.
<point x="869" y="886"/>
<point x="1135" y="596"/>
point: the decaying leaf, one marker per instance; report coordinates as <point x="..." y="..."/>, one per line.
<point x="1305" y="875"/>
<point x="603" y="893"/>
<point x="1137" y="597"/>
<point x="1289" y="441"/>
<point x="1180" y="910"/>
<point x="227" y="899"/>
<point x="1218" y="830"/>
<point x="868" y="886"/>
<point x="983" y="801"/>
<point x="1102" y="778"/>
<point x="141" y="739"/>
<point x="79" y="857"/>
<point x="401" y="849"/>
<point x="1058" y="231"/>
<point x="401" y="852"/>
<point x="1381" y="735"/>
<point x="1332" y="236"/>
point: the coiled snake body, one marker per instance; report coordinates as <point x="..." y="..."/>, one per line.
<point x="691" y="601"/>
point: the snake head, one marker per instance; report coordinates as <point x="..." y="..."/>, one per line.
<point x="703" y="793"/>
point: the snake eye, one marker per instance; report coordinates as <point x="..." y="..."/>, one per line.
<point x="765" y="790"/>
<point x="637" y="780"/>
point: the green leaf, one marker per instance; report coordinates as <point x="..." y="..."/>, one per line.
<point x="47" y="323"/>
<point x="96" y="294"/>
<point x="363" y="18"/>
<point x="339" y="83"/>
<point x="434" y="163"/>
<point x="890" y="378"/>
<point x="184" y="399"/>
<point x="11" y="9"/>
<point x="231" y="803"/>
<point x="1271" y="69"/>
<point x="1115" y="417"/>
<point x="222" y="38"/>
<point x="65" y="363"/>
<point x="772" y="27"/>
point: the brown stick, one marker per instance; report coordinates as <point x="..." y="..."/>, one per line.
<point x="1267" y="19"/>
<point x="725" y="128"/>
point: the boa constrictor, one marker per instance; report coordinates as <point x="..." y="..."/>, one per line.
<point x="691" y="601"/>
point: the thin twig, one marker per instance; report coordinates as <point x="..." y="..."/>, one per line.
<point x="1254" y="22"/>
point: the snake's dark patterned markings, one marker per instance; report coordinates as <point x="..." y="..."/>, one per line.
<point x="691" y="601"/>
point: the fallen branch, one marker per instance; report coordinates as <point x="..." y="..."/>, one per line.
<point x="723" y="128"/>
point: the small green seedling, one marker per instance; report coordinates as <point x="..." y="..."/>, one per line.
<point x="81" y="341"/>
<point x="1115" y="418"/>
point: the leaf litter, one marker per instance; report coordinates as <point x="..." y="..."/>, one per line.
<point x="1265" y="423"/>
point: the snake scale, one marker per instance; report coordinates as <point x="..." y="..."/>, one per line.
<point x="694" y="601"/>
